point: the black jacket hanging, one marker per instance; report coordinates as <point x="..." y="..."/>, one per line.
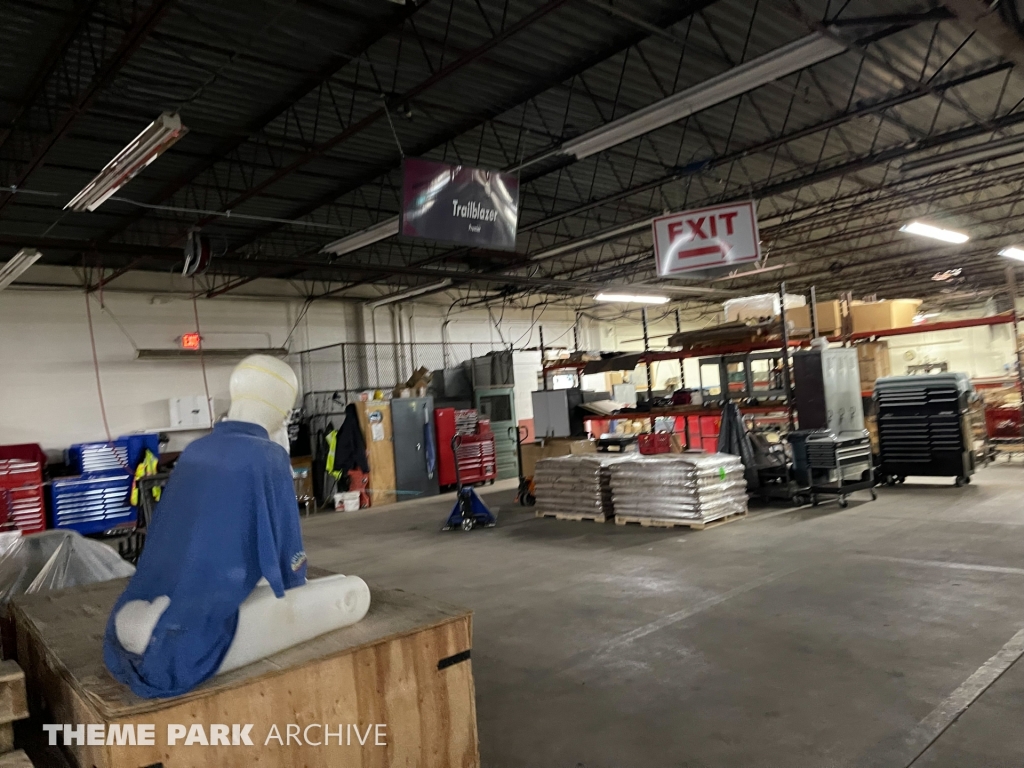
<point x="350" y="448"/>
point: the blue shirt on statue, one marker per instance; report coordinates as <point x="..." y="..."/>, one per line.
<point x="227" y="517"/>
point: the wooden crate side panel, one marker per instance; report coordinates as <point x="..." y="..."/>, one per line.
<point x="13" y="701"/>
<point x="379" y="453"/>
<point x="53" y="699"/>
<point x="430" y="713"/>
<point x="15" y="760"/>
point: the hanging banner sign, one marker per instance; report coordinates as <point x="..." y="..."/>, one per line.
<point x="706" y="238"/>
<point x="459" y="204"/>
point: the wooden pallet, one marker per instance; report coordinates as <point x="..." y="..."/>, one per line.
<point x="657" y="522"/>
<point x="596" y="517"/>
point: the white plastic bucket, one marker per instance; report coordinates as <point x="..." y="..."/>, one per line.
<point x="347" y="501"/>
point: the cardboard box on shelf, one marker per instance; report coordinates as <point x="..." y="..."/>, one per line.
<point x="883" y="315"/>
<point x="556" y="446"/>
<point x="829" y="319"/>
<point x="874" y="363"/>
<point x="416" y="386"/>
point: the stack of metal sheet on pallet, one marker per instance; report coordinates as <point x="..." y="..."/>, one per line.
<point x="576" y="486"/>
<point x="689" y="487"/>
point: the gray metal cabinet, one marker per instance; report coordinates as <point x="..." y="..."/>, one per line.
<point x="498" y="404"/>
<point x="412" y="425"/>
<point x="555" y="414"/>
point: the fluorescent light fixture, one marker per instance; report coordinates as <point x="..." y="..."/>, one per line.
<point x="631" y="298"/>
<point x="978" y="153"/>
<point x="935" y="233"/>
<point x="1013" y="252"/>
<point x="599" y="237"/>
<point x="369" y="236"/>
<point x="772" y="66"/>
<point x="156" y="139"/>
<point x="408" y="294"/>
<point x="14" y="268"/>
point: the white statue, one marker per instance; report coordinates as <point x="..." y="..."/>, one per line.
<point x="245" y="540"/>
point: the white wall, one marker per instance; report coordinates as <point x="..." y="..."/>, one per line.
<point x="48" y="381"/>
<point x="981" y="352"/>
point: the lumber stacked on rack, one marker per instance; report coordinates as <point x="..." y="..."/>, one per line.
<point x="574" y="487"/>
<point x="727" y="333"/>
<point x="697" y="488"/>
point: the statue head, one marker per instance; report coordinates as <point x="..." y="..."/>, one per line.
<point x="263" y="391"/>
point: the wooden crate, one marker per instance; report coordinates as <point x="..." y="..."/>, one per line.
<point x="375" y="423"/>
<point x="405" y="665"/>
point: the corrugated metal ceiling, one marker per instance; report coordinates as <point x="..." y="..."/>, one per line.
<point x="283" y="102"/>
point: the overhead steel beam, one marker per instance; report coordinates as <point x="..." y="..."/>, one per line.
<point x="891" y="19"/>
<point x="677" y="14"/>
<point x="683" y="11"/>
<point x="985" y="18"/>
<point x="70" y="31"/>
<point x="616" y="232"/>
<point x="630" y="229"/>
<point x="130" y="43"/>
<point x="890" y="25"/>
<point x="174" y="255"/>
<point x="303" y="89"/>
<point x="381" y="113"/>
<point x="103" y="281"/>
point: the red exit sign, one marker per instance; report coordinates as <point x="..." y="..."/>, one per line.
<point x="191" y="341"/>
<point x="706" y="238"/>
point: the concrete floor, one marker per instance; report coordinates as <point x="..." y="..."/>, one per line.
<point x="797" y="637"/>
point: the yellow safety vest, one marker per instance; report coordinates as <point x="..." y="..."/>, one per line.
<point x="332" y="444"/>
<point x="146" y="468"/>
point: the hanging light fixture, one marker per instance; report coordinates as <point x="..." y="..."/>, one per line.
<point x="935" y="233"/>
<point x="156" y="139"/>
<point x="20" y="262"/>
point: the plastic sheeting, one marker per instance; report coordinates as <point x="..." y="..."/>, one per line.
<point x="702" y="487"/>
<point x="55" y="560"/>
<point x="574" y="484"/>
<point x="760" y="306"/>
<point x="733" y="438"/>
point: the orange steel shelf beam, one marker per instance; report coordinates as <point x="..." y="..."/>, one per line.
<point x="731" y="349"/>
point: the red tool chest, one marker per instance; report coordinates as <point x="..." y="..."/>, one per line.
<point x="475" y="453"/>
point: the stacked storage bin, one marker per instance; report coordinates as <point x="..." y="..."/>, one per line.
<point x="21" y="488"/>
<point x="98" y="499"/>
<point x="693" y="489"/>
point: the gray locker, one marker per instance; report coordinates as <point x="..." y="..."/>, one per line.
<point x="410" y="417"/>
<point x="498" y="405"/>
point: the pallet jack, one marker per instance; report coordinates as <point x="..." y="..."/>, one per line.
<point x="524" y="493"/>
<point x="469" y="511"/>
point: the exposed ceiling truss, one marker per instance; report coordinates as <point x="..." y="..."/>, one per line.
<point x="299" y="114"/>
